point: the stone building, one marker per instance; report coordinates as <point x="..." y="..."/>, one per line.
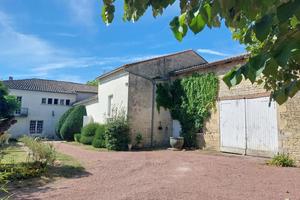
<point x="243" y="121"/>
<point x="131" y="88"/>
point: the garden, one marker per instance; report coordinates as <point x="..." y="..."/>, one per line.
<point x="33" y="162"/>
<point x="114" y="135"/>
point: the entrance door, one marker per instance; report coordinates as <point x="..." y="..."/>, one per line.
<point x="249" y="126"/>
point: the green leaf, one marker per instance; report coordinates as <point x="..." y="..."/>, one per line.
<point x="294" y="21"/>
<point x="108" y="13"/>
<point x="293" y="88"/>
<point x="179" y="27"/>
<point x="197" y="23"/>
<point x="287" y="10"/>
<point x="232" y="78"/>
<point x="280" y="96"/>
<point x="263" y="27"/>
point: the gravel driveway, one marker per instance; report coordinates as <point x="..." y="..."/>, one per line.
<point x="170" y="175"/>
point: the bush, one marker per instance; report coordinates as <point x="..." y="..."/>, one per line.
<point x="86" y="139"/>
<point x="11" y="172"/>
<point x="90" y="129"/>
<point x="282" y="160"/>
<point x="117" y="134"/>
<point x="73" y="123"/>
<point x="62" y="121"/>
<point x="139" y="138"/>
<point x="99" y="139"/>
<point x="40" y="152"/>
<point x="77" y="137"/>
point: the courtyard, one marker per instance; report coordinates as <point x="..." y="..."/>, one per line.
<point x="164" y="174"/>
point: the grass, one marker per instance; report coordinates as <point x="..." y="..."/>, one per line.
<point x="65" y="166"/>
<point x="87" y="147"/>
<point x="13" y="154"/>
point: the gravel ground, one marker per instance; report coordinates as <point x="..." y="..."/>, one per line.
<point x="169" y="175"/>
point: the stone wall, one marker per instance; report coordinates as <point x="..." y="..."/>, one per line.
<point x="288" y="113"/>
<point x="211" y="137"/>
<point x="289" y="126"/>
<point x="141" y="93"/>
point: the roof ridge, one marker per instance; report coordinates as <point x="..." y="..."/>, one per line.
<point x="49" y="80"/>
<point x="162" y="56"/>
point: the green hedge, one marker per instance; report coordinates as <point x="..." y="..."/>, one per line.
<point x="86" y="139"/>
<point x="90" y="129"/>
<point x="99" y="139"/>
<point x="62" y="121"/>
<point x="77" y="137"/>
<point x="73" y="123"/>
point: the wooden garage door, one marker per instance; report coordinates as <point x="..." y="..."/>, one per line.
<point x="249" y="126"/>
<point x="232" y="126"/>
<point x="262" y="130"/>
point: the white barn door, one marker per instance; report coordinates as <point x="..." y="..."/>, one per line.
<point x="261" y="123"/>
<point x="232" y="126"/>
<point x="248" y="126"/>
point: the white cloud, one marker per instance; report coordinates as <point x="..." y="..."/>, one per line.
<point x="212" y="52"/>
<point x="37" y="57"/>
<point x="82" y="11"/>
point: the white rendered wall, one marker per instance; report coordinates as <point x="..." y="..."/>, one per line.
<point x="116" y="86"/>
<point x="38" y="111"/>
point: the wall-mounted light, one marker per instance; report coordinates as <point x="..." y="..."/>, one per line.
<point x="53" y="114"/>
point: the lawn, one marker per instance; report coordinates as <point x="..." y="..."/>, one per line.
<point x="15" y="154"/>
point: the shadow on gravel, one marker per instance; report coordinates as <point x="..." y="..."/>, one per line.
<point x="24" y="189"/>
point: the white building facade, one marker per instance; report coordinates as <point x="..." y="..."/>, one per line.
<point x="43" y="102"/>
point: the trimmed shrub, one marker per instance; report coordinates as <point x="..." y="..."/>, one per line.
<point x="99" y="139"/>
<point x="282" y="160"/>
<point x="86" y="139"/>
<point x="62" y="121"/>
<point x="90" y="129"/>
<point x="117" y="134"/>
<point x="77" y="137"/>
<point x="73" y="123"/>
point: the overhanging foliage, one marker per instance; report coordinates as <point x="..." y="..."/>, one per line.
<point x="268" y="28"/>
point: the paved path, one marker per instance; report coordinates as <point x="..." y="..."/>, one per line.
<point x="170" y="175"/>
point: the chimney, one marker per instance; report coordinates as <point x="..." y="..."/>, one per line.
<point x="11" y="78"/>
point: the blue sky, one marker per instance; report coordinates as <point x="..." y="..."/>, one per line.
<point x="66" y="39"/>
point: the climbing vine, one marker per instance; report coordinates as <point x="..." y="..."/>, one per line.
<point x="189" y="101"/>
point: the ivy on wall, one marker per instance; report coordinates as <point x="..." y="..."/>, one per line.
<point x="189" y="101"/>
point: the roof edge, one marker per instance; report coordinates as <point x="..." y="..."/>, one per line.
<point x="192" y="68"/>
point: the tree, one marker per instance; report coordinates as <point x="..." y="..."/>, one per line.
<point x="62" y="121"/>
<point x="93" y="83"/>
<point x="73" y="123"/>
<point x="8" y="104"/>
<point x="268" y="28"/>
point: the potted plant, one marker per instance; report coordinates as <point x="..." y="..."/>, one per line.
<point x="176" y="142"/>
<point x="138" y="140"/>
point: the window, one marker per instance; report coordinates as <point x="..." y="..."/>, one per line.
<point x="62" y="102"/>
<point x="109" y="105"/>
<point x="18" y="111"/>
<point x="55" y="101"/>
<point x="36" y="127"/>
<point x="44" y="100"/>
<point x="50" y="101"/>
<point x="67" y="102"/>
